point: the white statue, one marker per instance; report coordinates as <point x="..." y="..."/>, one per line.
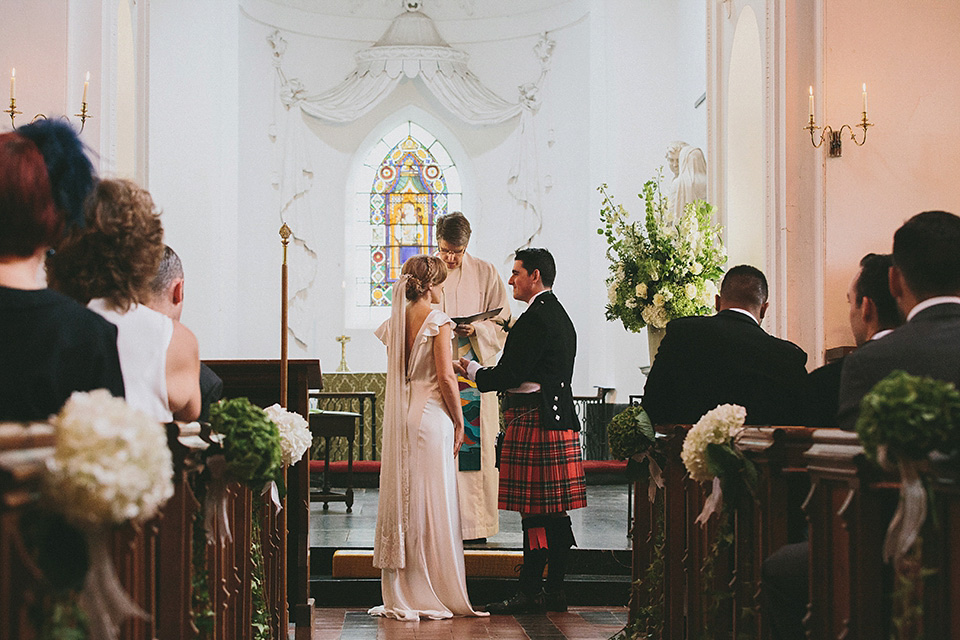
<point x="689" y="168"/>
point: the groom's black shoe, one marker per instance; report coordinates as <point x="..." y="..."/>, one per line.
<point x="554" y="600"/>
<point x="518" y="603"/>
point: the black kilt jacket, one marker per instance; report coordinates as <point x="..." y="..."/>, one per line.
<point x="541" y="347"/>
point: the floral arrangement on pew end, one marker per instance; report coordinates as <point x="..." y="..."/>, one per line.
<point x="253" y="446"/>
<point x="710" y="454"/>
<point x="632" y="438"/>
<point x="904" y="421"/>
<point x="663" y="269"/>
<point x="111" y="465"/>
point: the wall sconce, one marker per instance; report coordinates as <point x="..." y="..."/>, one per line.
<point x="12" y="111"/>
<point x="835" y="137"/>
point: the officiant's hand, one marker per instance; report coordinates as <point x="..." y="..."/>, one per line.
<point x="464" y="330"/>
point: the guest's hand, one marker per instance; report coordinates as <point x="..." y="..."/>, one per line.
<point x="457" y="439"/>
<point x="464" y="330"/>
<point x="460" y="368"/>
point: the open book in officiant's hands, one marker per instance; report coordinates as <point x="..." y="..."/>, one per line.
<point x="477" y="317"/>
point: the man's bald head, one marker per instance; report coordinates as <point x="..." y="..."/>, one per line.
<point x="744" y="287"/>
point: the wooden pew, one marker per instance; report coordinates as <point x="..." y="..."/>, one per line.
<point x="259" y="380"/>
<point x="22" y="454"/>
<point x="849" y="508"/>
<point x="759" y="527"/>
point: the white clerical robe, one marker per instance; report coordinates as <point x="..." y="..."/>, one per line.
<point x="475" y="287"/>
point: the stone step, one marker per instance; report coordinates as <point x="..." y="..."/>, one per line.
<point x="582" y="590"/>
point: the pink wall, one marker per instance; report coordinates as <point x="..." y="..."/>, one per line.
<point x="38" y="49"/>
<point x="909" y="56"/>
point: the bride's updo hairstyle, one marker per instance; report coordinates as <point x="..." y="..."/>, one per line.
<point x="424" y="272"/>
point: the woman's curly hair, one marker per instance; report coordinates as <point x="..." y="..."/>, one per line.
<point x="116" y="255"/>
<point x="424" y="272"/>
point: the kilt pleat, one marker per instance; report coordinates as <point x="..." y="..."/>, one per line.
<point x="541" y="470"/>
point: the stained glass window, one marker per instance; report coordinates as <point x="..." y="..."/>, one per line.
<point x="414" y="182"/>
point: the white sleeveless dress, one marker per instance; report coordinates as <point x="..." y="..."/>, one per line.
<point x="432" y="582"/>
<point x="143" y="337"/>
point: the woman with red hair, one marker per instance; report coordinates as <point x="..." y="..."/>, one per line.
<point x="50" y="345"/>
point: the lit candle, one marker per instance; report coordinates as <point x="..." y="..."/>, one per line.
<point x="864" y="97"/>
<point x="13" y="84"/>
<point x="86" y="83"/>
<point x="811" y="102"/>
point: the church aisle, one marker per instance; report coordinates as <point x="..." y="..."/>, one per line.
<point x="582" y="623"/>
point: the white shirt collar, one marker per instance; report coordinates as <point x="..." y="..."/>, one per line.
<point x="530" y="301"/>
<point x="880" y="334"/>
<point x="930" y="302"/>
<point x="744" y="312"/>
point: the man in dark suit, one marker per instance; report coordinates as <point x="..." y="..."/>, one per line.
<point x="727" y="358"/>
<point x="925" y="282"/>
<point x="166" y="297"/>
<point x="541" y="471"/>
<point x="873" y="314"/>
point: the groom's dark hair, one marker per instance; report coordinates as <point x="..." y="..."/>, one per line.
<point x="535" y="258"/>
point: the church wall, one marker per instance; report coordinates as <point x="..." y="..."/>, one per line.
<point x="193" y="158"/>
<point x="908" y="55"/>
<point x="622" y="86"/>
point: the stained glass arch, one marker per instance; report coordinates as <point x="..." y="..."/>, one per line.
<point x="411" y="180"/>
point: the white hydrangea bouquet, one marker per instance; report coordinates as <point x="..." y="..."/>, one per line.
<point x="295" y="439"/>
<point x="110" y="465"/>
<point x="710" y="454"/>
<point x="662" y="269"/>
<point x="295" y="436"/>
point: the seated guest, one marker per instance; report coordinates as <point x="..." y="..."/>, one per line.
<point x="925" y="282"/>
<point x="50" y="346"/>
<point x="727" y="358"/>
<point x="109" y="264"/>
<point x="166" y="296"/>
<point x="873" y="314"/>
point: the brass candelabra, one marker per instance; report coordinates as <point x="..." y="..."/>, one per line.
<point x="836" y="136"/>
<point x="13" y="112"/>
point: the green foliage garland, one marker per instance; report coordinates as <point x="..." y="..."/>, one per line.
<point x="260" y="619"/>
<point x="662" y="269"/>
<point x="201" y="605"/>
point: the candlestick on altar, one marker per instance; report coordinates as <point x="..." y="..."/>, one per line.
<point x="343" y="340"/>
<point x="285" y="234"/>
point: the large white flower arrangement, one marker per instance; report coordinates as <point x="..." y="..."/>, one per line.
<point x="662" y="269"/>
<point x="110" y="464"/>
<point x="717" y="426"/>
<point x="295" y="436"/>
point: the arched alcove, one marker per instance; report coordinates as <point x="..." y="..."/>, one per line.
<point x="371" y="262"/>
<point x="744" y="217"/>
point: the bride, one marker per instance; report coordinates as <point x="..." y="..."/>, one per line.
<point x="418" y="545"/>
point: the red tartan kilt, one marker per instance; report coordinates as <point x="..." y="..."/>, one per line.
<point x="541" y="470"/>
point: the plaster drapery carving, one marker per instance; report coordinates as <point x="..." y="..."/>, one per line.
<point x="411" y="48"/>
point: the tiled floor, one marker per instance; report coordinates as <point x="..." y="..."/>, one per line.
<point x="601" y="525"/>
<point x="586" y="623"/>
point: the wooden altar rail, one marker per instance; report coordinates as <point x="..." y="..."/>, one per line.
<point x="153" y="560"/>
<point x="847" y="506"/>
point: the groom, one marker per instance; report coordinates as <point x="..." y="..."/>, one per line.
<point x="541" y="471"/>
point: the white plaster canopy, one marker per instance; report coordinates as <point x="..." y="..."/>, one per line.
<point x="410" y="48"/>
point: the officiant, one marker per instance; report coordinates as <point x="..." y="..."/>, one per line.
<point x="473" y="286"/>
